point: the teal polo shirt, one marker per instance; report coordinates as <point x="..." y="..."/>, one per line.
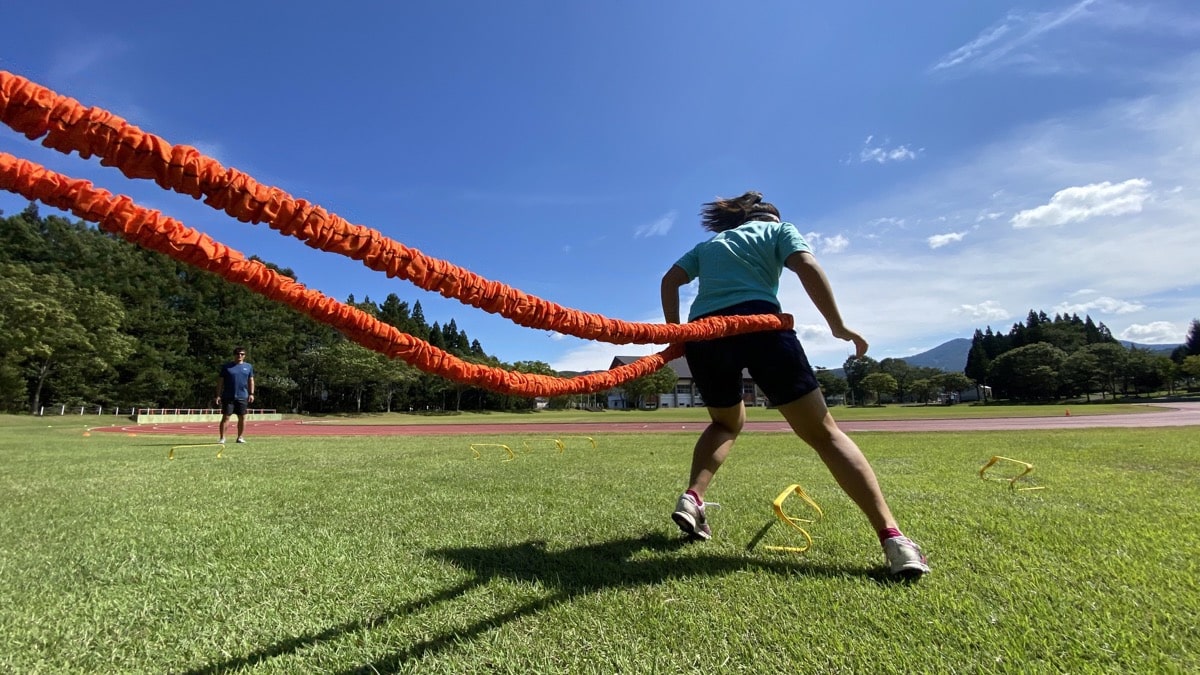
<point x="741" y="264"/>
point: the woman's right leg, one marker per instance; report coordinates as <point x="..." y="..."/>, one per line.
<point x="710" y="452"/>
<point x="714" y="444"/>
<point x="810" y="419"/>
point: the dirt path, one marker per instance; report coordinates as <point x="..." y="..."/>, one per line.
<point x="1164" y="415"/>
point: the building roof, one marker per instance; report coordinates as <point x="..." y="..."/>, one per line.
<point x="679" y="365"/>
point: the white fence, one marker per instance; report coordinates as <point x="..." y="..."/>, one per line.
<point x="156" y="415"/>
<point x="165" y="415"/>
<point x="192" y="411"/>
<point x="64" y="409"/>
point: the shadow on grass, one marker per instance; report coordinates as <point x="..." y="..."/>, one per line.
<point x="571" y="573"/>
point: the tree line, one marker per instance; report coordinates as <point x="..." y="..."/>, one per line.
<point x="1040" y="359"/>
<point x="1048" y="358"/>
<point x="891" y="380"/>
<point x="89" y="319"/>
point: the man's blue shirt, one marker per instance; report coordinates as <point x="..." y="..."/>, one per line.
<point x="235" y="381"/>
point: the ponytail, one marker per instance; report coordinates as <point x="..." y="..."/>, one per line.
<point x="726" y="214"/>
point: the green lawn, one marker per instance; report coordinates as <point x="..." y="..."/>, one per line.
<point x="889" y="412"/>
<point x="298" y="555"/>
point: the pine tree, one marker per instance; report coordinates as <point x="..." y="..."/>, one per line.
<point x="418" y="327"/>
<point x="978" y="361"/>
<point x="436" y="337"/>
<point x="394" y="312"/>
<point x="1192" y="342"/>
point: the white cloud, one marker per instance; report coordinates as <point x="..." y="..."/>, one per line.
<point x="1072" y="38"/>
<point x="1016" y="39"/>
<point x="835" y="244"/>
<point x="1076" y="204"/>
<point x="1153" y="333"/>
<point x="886" y="223"/>
<point x="940" y="240"/>
<point x="898" y="292"/>
<point x="1101" y="305"/>
<point x="881" y="154"/>
<point x="988" y="310"/>
<point x="977" y="48"/>
<point x="598" y="355"/>
<point x="809" y="332"/>
<point x="823" y="244"/>
<point x="657" y="228"/>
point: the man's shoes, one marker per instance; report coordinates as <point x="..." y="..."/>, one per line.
<point x="689" y="516"/>
<point x="904" y="557"/>
<point x="241" y="440"/>
<point x="222" y="440"/>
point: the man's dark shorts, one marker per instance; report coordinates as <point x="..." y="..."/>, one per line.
<point x="775" y="360"/>
<point x="234" y="408"/>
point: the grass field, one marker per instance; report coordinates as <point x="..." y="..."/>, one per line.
<point x="369" y="554"/>
<point x="756" y="414"/>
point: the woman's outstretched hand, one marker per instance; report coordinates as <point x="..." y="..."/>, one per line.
<point x="860" y="343"/>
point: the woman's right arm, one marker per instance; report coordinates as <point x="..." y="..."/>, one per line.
<point x="671" y="282"/>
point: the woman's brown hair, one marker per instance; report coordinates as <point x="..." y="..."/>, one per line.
<point x="726" y="214"/>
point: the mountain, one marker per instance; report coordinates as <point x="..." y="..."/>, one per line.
<point x="949" y="356"/>
<point x="952" y="355"/>
<point x="1157" y="350"/>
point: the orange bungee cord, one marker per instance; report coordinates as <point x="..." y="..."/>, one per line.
<point x="152" y="230"/>
<point x="68" y="126"/>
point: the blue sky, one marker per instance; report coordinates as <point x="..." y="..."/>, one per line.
<point x="955" y="164"/>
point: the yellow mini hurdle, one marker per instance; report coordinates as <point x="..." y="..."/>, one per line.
<point x="791" y="521"/>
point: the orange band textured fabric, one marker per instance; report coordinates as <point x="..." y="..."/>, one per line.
<point x="68" y="126"/>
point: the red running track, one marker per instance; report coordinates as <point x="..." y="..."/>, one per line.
<point x="1163" y="415"/>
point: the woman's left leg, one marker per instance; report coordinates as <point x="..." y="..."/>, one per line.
<point x="810" y="419"/>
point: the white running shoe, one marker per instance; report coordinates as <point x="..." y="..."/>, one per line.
<point x="904" y="557"/>
<point x="221" y="440"/>
<point x="689" y="516"/>
<point x="241" y="440"/>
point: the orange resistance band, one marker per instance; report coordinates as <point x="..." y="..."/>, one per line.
<point x="152" y="230"/>
<point x="68" y="126"/>
<point x="37" y="111"/>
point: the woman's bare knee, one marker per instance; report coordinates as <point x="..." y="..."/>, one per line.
<point x="810" y="419"/>
<point x="731" y="419"/>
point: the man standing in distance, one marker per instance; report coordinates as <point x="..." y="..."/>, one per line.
<point x="235" y="392"/>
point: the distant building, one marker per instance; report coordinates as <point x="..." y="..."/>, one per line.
<point x="685" y="395"/>
<point x="972" y="394"/>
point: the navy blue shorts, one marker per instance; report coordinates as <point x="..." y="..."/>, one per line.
<point x="235" y="407"/>
<point x="774" y="358"/>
